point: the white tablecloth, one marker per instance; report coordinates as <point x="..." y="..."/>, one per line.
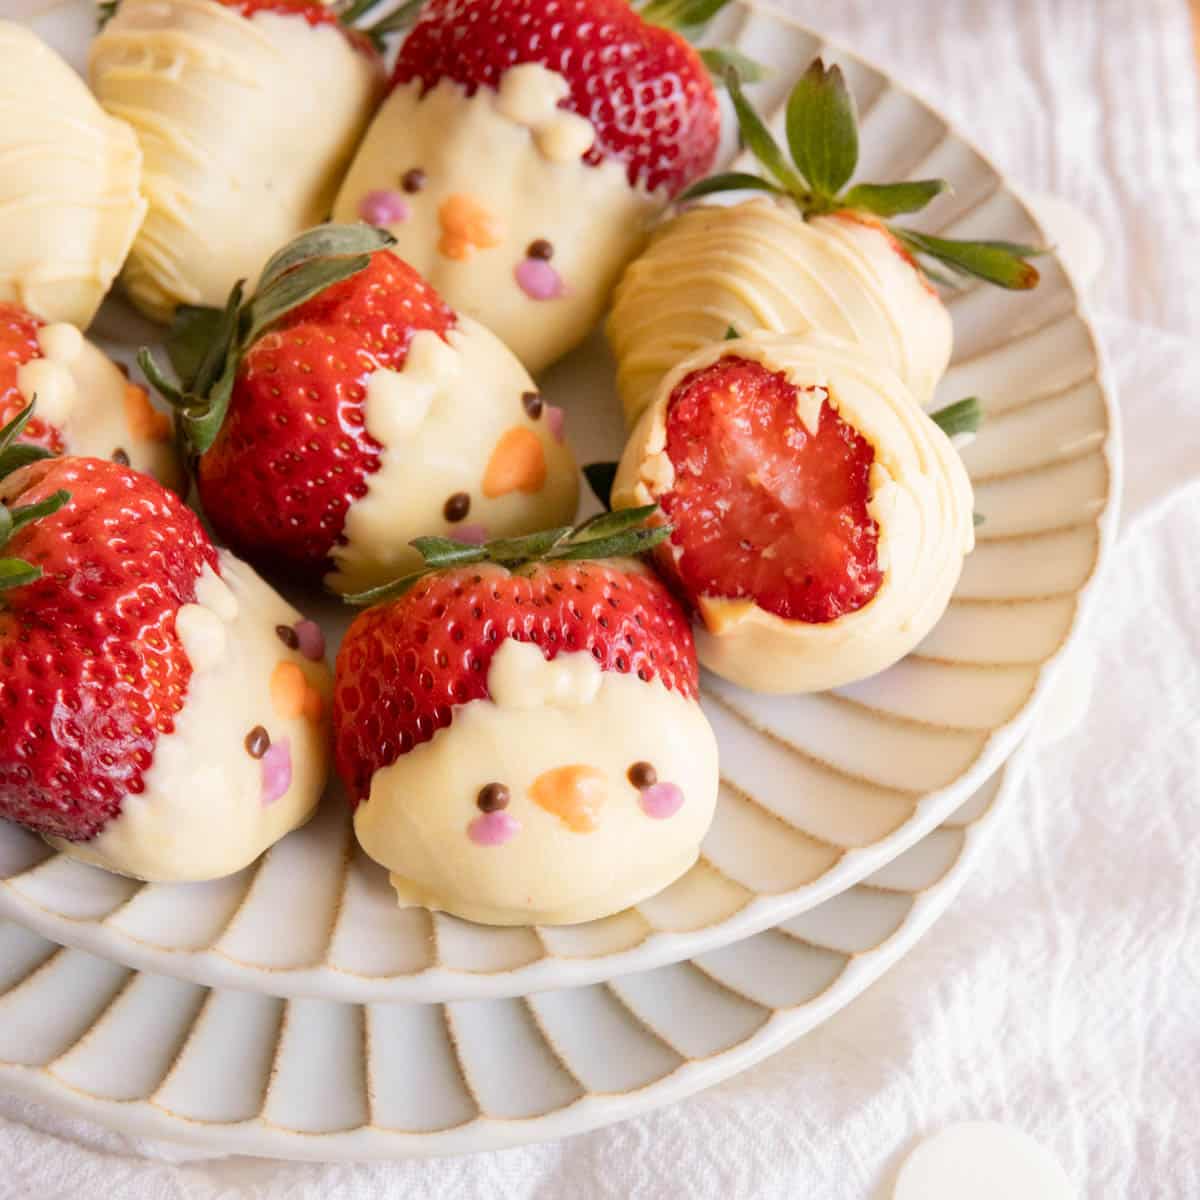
<point x="1062" y="992"/>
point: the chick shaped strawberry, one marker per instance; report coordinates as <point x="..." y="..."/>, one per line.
<point x="518" y="728"/>
<point x="164" y="710"/>
<point x="345" y="409"/>
<point x="820" y="517"/>
<point x="247" y="113"/>
<point x="524" y="149"/>
<point x="86" y="405"/>
<point x="810" y="251"/>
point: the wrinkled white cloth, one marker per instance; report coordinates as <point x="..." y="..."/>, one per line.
<point x="1061" y="994"/>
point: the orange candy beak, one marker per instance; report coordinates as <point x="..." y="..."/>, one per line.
<point x="573" y="794"/>
<point x="517" y="464"/>
<point x="467" y="226"/>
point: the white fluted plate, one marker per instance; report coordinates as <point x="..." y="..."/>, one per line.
<point x="243" y="1073"/>
<point x="819" y="791"/>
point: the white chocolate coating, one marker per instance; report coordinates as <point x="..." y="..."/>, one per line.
<point x="760" y="266"/>
<point x="201" y="815"/>
<point x="69" y="175"/>
<point x="517" y="155"/>
<point x="921" y="500"/>
<point x="544" y="716"/>
<point x="440" y="421"/>
<point x="246" y="126"/>
<point x="81" y="390"/>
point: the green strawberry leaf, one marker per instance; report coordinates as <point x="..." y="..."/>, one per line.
<point x="718" y="60"/>
<point x="20" y="517"/>
<point x="10" y="432"/>
<point x="290" y="290"/>
<point x="1002" y="263"/>
<point x="324" y="241"/>
<point x="16" y="572"/>
<point x="601" y="476"/>
<point x="964" y="416"/>
<point x="605" y="525"/>
<point x="158" y="379"/>
<point x="193" y="330"/>
<point x="822" y="129"/>
<point x="893" y="199"/>
<point x="222" y="346"/>
<point x="618" y="545"/>
<point x="759" y="141"/>
<point x="105" y="11"/>
<point x="525" y="549"/>
<point x="446" y="552"/>
<point x="21" y="455"/>
<point x="731" y="335"/>
<point x="680" y="14"/>
<point x="400" y="19"/>
<point x="731" y="181"/>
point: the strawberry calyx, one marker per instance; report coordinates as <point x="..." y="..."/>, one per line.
<point x="815" y="175"/>
<point x="16" y="572"/>
<point x="622" y="534"/>
<point x="206" y="345"/>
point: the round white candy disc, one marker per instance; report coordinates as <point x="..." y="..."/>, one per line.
<point x="985" y="1161"/>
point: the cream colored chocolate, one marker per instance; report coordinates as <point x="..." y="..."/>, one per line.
<point x="921" y="500"/>
<point x="452" y="422"/>
<point x="515" y="156"/>
<point x="760" y="266"/>
<point x="202" y="814"/>
<point x="247" y="126"/>
<point x="69" y="175"/>
<point x="96" y="409"/>
<point x="543" y="717"/>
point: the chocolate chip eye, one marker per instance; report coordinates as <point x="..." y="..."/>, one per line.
<point x="413" y="180"/>
<point x="533" y="404"/>
<point x="642" y="775"/>
<point x="492" y="797"/>
<point x="540" y="249"/>
<point x="258" y="742"/>
<point x="120" y="457"/>
<point x="457" y="506"/>
<point x="288" y="636"/>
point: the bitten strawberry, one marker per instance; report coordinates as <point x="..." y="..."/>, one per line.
<point x="138" y="666"/>
<point x="820" y="518"/>
<point x="518" y="728"/>
<point x="525" y="148"/>
<point x="813" y="251"/>
<point x="86" y="404"/>
<point x="247" y="113"/>
<point x="344" y="409"/>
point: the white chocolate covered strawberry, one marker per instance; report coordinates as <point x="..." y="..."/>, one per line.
<point x="521" y="735"/>
<point x="69" y="177"/>
<point x="820" y="517"/>
<point x="247" y="112"/>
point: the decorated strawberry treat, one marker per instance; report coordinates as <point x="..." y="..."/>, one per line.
<point x="820" y="518"/>
<point x="248" y="113"/>
<point x="811" y="252"/>
<point x="345" y="409"/>
<point x="526" y="146"/>
<point x="164" y="711"/>
<point x="69" y="200"/>
<point x="518" y="728"/>
<point x="86" y="404"/>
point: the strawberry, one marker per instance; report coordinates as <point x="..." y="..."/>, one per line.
<point x="19" y="345"/>
<point x="411" y="662"/>
<point x="98" y="562"/>
<point x="644" y="89"/>
<point x="762" y="507"/>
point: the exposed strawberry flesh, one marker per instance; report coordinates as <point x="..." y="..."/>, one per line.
<point x="294" y="452"/>
<point x="19" y="345"/>
<point x="405" y="665"/>
<point x="91" y="669"/>
<point x="644" y="89"/>
<point x="762" y="508"/>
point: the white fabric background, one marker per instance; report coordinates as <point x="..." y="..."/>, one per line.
<point x="1062" y="992"/>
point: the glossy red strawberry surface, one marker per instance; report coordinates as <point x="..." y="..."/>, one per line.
<point x="294" y="452"/>
<point x="405" y="665"/>
<point x="762" y="508"/>
<point x="644" y="89"/>
<point x="19" y="345"/>
<point x="313" y="11"/>
<point x="91" y="669"/>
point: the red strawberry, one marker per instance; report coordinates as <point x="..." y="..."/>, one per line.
<point x="19" y="345"/>
<point x="644" y="89"/>
<point x="762" y="507"/>
<point x="92" y="670"/>
<point x="407" y="664"/>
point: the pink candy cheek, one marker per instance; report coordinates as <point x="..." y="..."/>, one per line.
<point x="556" y="420"/>
<point x="539" y="280"/>
<point x="661" y="800"/>
<point x="473" y="535"/>
<point x="383" y="208"/>
<point x="493" y="829"/>
<point x="276" y="771"/>
<point x="312" y="640"/>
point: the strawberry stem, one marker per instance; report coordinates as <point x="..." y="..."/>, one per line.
<point x="16" y="572"/>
